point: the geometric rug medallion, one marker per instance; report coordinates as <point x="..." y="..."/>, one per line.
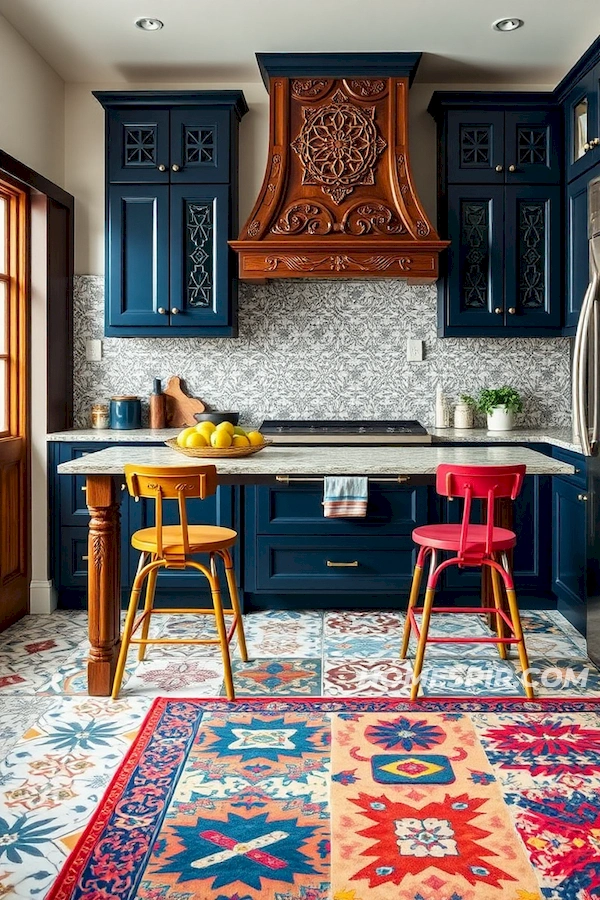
<point x="349" y="800"/>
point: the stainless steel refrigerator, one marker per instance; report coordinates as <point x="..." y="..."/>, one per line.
<point x="586" y="415"/>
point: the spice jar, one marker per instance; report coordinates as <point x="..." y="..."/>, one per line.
<point x="100" y="417"/>
<point x="463" y="416"/>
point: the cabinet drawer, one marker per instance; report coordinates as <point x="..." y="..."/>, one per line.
<point x="73" y="549"/>
<point x="303" y="565"/>
<point x="298" y="509"/>
<point x="73" y="509"/>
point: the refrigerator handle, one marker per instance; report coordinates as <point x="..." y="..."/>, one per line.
<point x="580" y="366"/>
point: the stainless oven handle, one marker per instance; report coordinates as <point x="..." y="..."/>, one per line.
<point x="582" y="366"/>
<point x="286" y="479"/>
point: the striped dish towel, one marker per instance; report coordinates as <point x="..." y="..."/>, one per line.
<point x="345" y="497"/>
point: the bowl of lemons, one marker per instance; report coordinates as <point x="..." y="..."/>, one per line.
<point x="223" y="440"/>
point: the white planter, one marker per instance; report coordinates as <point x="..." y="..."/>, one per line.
<point x="500" y="419"/>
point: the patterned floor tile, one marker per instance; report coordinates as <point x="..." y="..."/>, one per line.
<point x="362" y="622"/>
<point x="550" y="646"/>
<point x="376" y="646"/>
<point x="456" y="625"/>
<point x="283" y="677"/>
<point x="52" y="781"/>
<point x="475" y="678"/>
<point x="366" y="678"/>
<point x="184" y="626"/>
<point x="16" y="717"/>
<point x="564" y="677"/>
<point x="175" y="678"/>
<point x="275" y="634"/>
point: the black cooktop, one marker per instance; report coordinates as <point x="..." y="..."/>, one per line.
<point x="342" y="427"/>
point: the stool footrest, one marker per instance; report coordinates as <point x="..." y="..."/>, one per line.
<point x="412" y="616"/>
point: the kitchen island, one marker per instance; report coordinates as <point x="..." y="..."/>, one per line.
<point x="103" y="471"/>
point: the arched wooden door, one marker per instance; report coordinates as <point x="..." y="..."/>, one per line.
<point x="14" y="452"/>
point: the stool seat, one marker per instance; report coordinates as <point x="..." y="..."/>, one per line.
<point x="202" y="538"/>
<point x="447" y="537"/>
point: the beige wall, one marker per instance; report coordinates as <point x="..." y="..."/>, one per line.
<point x="84" y="155"/>
<point x="31" y="107"/>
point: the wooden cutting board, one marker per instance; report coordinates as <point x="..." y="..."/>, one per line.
<point x="180" y="407"/>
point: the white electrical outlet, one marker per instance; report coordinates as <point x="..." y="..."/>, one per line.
<point x="414" y="350"/>
<point x="93" y="350"/>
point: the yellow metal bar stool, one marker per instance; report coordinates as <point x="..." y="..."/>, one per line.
<point x="171" y="547"/>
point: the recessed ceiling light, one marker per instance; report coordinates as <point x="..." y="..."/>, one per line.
<point x="508" y="24"/>
<point x="148" y="24"/>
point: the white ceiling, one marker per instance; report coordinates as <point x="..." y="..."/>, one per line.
<point x="215" y="40"/>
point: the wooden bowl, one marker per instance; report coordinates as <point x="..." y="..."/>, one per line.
<point x="216" y="452"/>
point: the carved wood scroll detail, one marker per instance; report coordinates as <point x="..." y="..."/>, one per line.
<point x="309" y="217"/>
<point x="273" y="178"/>
<point x="366" y="87"/>
<point x="338" y="146"/>
<point x="310" y="88"/>
<point x="371" y="217"/>
<point x="338" y="263"/>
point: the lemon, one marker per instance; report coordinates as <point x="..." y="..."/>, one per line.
<point x="183" y="435"/>
<point x="196" y="439"/>
<point x="221" y="438"/>
<point x="240" y="431"/>
<point x="255" y="438"/>
<point x="240" y="440"/>
<point x="207" y="427"/>
<point x="225" y="426"/>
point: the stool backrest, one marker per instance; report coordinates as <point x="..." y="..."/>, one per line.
<point x="171" y="483"/>
<point x="479" y="483"/>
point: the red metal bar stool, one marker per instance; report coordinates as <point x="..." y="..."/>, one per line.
<point x="473" y="546"/>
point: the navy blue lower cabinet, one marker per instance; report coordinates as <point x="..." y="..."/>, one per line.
<point x="291" y="548"/>
<point x="569" y="550"/>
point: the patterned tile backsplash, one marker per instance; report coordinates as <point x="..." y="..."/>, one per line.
<point x="323" y="349"/>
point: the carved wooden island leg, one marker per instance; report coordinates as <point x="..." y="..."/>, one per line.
<point x="104" y="582"/>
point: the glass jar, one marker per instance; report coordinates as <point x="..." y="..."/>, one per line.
<point x="463" y="416"/>
<point x="100" y="417"/>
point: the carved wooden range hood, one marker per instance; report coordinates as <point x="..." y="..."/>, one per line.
<point x="337" y="200"/>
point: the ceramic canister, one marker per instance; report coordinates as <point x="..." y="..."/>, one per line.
<point x="125" y="413"/>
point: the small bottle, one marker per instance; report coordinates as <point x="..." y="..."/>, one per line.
<point x="158" y="406"/>
<point x="442" y="410"/>
<point x="100" y="417"/>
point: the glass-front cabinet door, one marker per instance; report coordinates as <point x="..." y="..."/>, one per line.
<point x="583" y="124"/>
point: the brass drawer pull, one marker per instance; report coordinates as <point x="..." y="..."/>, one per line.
<point x="85" y="558"/>
<point x="342" y="565"/>
<point x="83" y="487"/>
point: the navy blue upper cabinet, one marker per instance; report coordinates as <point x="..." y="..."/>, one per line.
<point x="500" y="205"/>
<point x="171" y="210"/>
<point x="578" y="265"/>
<point x="582" y="118"/>
<point x="488" y="146"/>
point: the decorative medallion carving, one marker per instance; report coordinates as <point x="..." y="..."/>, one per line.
<point x="253" y="228"/>
<point x="366" y="87"/>
<point x="532" y="254"/>
<point x="371" y="217"/>
<point x="139" y="145"/>
<point x="532" y="145"/>
<point x="310" y="88"/>
<point x="338" y="263"/>
<point x="474" y="241"/>
<point x="339" y="146"/>
<point x="309" y="217"/>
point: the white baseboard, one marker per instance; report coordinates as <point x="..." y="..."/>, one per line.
<point x="42" y="598"/>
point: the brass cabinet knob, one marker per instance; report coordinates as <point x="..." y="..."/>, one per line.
<point x="175" y="311"/>
<point x="84" y="558"/>
<point x="499" y="168"/>
<point x="512" y="168"/>
<point x="162" y="168"/>
<point x="511" y="310"/>
<point x="498" y="310"/>
<point x="594" y="142"/>
<point x="175" y="168"/>
<point x="161" y="311"/>
<point x="582" y="497"/>
<point x="586" y="146"/>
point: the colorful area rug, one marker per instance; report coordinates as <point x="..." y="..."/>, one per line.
<point x="349" y="800"/>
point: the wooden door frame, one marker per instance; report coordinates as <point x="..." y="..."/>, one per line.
<point x="54" y="246"/>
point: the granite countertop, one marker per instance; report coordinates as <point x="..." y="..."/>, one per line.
<point x="275" y="460"/>
<point x="557" y="437"/>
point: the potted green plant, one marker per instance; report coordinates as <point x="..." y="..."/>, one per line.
<point x="500" y="406"/>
